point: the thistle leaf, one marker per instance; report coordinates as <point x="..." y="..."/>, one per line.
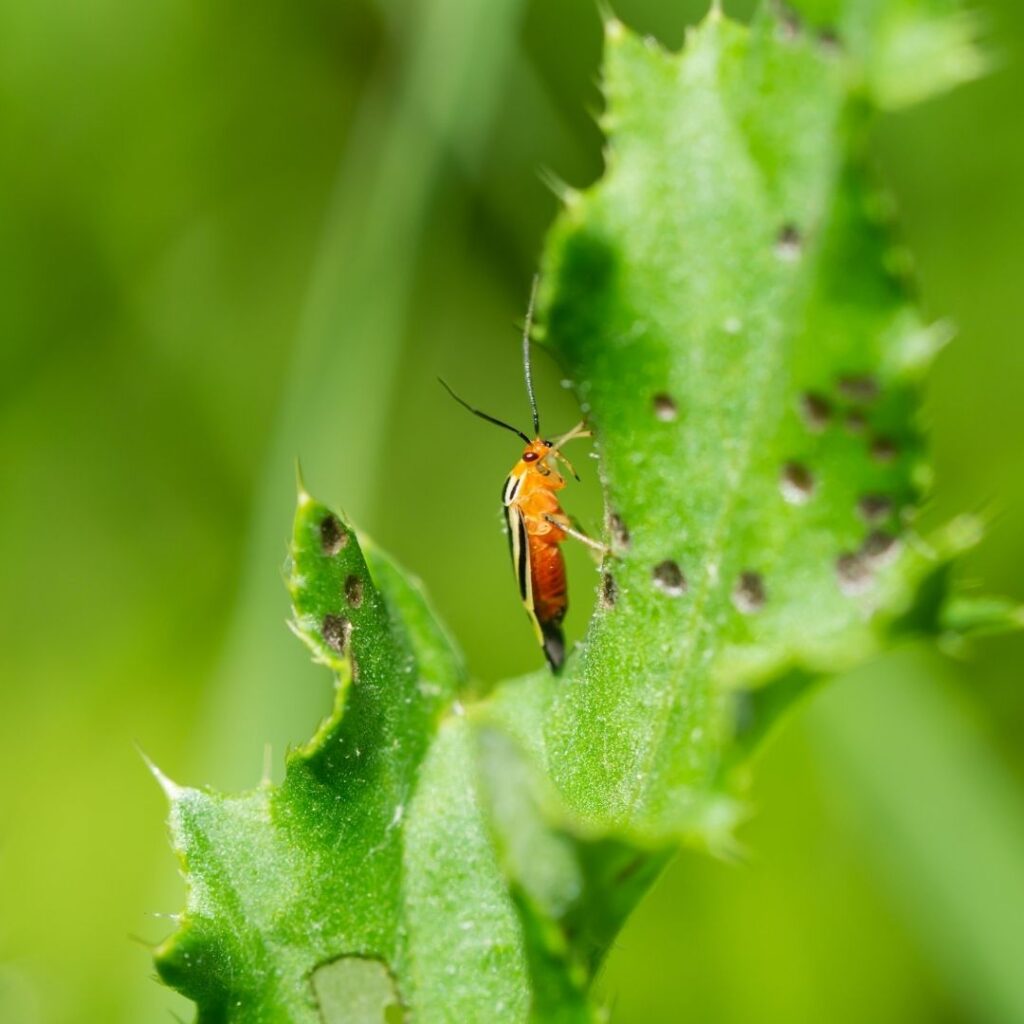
<point x="735" y="312"/>
<point x="373" y="849"/>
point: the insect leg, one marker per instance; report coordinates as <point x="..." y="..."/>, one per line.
<point x="580" y="430"/>
<point x="571" y="531"/>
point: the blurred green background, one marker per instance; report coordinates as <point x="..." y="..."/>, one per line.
<point x="232" y="234"/>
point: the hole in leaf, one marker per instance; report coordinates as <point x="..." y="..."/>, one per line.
<point x="356" y="990"/>
<point x="883" y="449"/>
<point x="665" y="407"/>
<point x="332" y="537"/>
<point x="748" y="595"/>
<point x="879" y="548"/>
<point x="856" y="422"/>
<point x="609" y="590"/>
<point x="354" y="591"/>
<point x="788" y="243"/>
<point x="858" y="387"/>
<point x="874" y="508"/>
<point x="816" y="411"/>
<point x="619" y="530"/>
<point x="853" y="573"/>
<point x="669" y="577"/>
<point x="335" y="630"/>
<point x="796" y="483"/>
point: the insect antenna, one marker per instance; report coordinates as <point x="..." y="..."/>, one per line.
<point x="482" y="415"/>
<point x="526" y="356"/>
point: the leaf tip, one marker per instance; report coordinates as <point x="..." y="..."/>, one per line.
<point x="614" y="30"/>
<point x="919" y="55"/>
<point x="916" y="349"/>
<point x="171" y="789"/>
<point x="964" y="533"/>
<point x="560" y="189"/>
<point x="302" y="496"/>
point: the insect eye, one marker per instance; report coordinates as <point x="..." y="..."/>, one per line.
<point x="529" y="456"/>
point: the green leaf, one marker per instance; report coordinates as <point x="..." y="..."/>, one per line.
<point x="372" y="847"/>
<point x="734" y="312"/>
<point x="735" y="315"/>
<point x="572" y="886"/>
<point x="902" y="51"/>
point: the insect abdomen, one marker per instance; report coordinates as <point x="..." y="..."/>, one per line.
<point x="550" y="597"/>
<point x="547" y="568"/>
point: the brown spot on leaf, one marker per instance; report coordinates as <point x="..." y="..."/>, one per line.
<point x="669" y="577"/>
<point x="874" y="508"/>
<point x="335" y="629"/>
<point x="816" y="411"/>
<point x="829" y="41"/>
<point x="618" y="530"/>
<point x="748" y="595"/>
<point x="879" y="548"/>
<point x="609" y="590"/>
<point x="789" y="243"/>
<point x="665" y="407"/>
<point x="788" y="26"/>
<point x="883" y="449"/>
<point x="333" y="536"/>
<point x="354" y="591"/>
<point x="858" y="387"/>
<point x="853" y="573"/>
<point x="796" y="483"/>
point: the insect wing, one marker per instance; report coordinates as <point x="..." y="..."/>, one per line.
<point x="519" y="545"/>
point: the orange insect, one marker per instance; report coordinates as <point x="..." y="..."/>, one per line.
<point x="535" y="520"/>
